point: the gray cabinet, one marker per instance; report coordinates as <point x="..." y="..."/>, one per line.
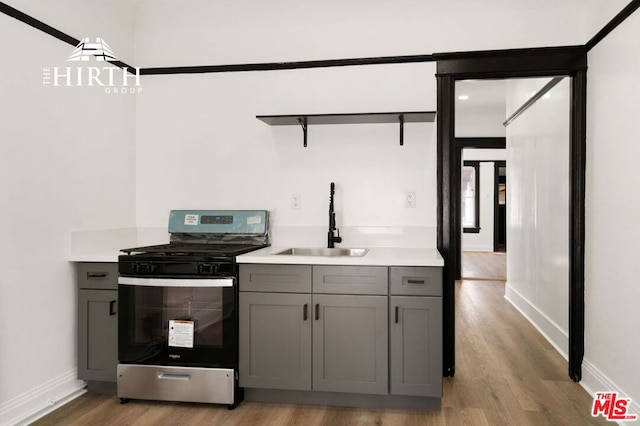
<point x="369" y="331"/>
<point x="416" y="331"/>
<point x="275" y="326"/>
<point x="283" y="327"/>
<point x="350" y="344"/>
<point x="97" y="321"/>
<point x="275" y="340"/>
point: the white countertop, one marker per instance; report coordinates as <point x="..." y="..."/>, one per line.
<point x="96" y="257"/>
<point x="105" y="245"/>
<point x="382" y="256"/>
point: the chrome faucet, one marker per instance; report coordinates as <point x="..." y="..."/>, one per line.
<point x="332" y="239"/>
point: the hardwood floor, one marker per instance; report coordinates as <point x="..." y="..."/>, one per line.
<point x="506" y="374"/>
<point x="484" y="265"/>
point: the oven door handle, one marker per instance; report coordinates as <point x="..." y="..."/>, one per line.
<point x="176" y="282"/>
<point x="173" y="376"/>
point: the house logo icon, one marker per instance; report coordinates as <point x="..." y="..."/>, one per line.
<point x="85" y="50"/>
<point x="98" y="67"/>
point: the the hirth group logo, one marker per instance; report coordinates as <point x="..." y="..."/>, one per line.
<point x="114" y="79"/>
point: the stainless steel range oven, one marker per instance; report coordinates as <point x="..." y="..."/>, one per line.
<point x="178" y="319"/>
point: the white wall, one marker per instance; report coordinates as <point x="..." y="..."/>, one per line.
<point x="195" y="131"/>
<point x="202" y="32"/>
<point x="538" y="209"/>
<point x="599" y="13"/>
<point x="200" y="145"/>
<point x="66" y="163"/>
<point x="612" y="341"/>
<point x="480" y="154"/>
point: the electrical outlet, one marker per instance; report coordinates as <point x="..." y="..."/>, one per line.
<point x="410" y="199"/>
<point x="296" y="201"/>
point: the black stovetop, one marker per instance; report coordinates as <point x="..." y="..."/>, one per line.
<point x="192" y="249"/>
<point x="183" y="259"/>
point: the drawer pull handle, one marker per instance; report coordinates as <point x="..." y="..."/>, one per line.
<point x="112" y="308"/>
<point x="305" y="312"/>
<point x="397" y="314"/>
<point x="413" y="281"/>
<point x="173" y="376"/>
<point x="317" y="311"/>
<point x="96" y="275"/>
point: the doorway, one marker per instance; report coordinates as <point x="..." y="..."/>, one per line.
<point x="500" y="207"/>
<point x="542" y="62"/>
<point x="483" y="192"/>
<point x="537" y="146"/>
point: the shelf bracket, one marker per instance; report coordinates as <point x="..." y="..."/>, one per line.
<point x="401" y="120"/>
<point x="303" y="123"/>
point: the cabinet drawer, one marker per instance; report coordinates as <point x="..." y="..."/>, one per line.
<point x="351" y="280"/>
<point x="416" y="281"/>
<point x="98" y="276"/>
<point x="275" y="278"/>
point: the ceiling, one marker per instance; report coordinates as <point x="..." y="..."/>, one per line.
<point x="481" y="96"/>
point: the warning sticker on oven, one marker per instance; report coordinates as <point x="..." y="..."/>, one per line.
<point x="254" y="220"/>
<point x="181" y="333"/>
<point x="191" y="219"/>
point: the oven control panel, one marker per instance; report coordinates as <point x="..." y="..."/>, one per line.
<point x="218" y="222"/>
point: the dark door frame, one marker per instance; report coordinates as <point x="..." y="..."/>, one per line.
<point x="496" y="203"/>
<point x="540" y="62"/>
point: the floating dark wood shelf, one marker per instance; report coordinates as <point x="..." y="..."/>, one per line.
<point x="356" y="118"/>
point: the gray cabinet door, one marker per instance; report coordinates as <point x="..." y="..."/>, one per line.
<point x="350" y="344"/>
<point x="97" y="335"/>
<point x="416" y="345"/>
<point x="275" y="340"/>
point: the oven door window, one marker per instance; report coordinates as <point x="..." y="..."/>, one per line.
<point x="177" y="325"/>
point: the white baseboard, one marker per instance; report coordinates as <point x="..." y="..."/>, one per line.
<point x="556" y="336"/>
<point x="41" y="400"/>
<point x="594" y="380"/>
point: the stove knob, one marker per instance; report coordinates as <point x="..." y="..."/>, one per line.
<point x="205" y="268"/>
<point x="141" y="268"/>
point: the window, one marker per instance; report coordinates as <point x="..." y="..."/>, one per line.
<point x="471" y="197"/>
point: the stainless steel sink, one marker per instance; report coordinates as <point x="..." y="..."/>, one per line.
<point x="319" y="251"/>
